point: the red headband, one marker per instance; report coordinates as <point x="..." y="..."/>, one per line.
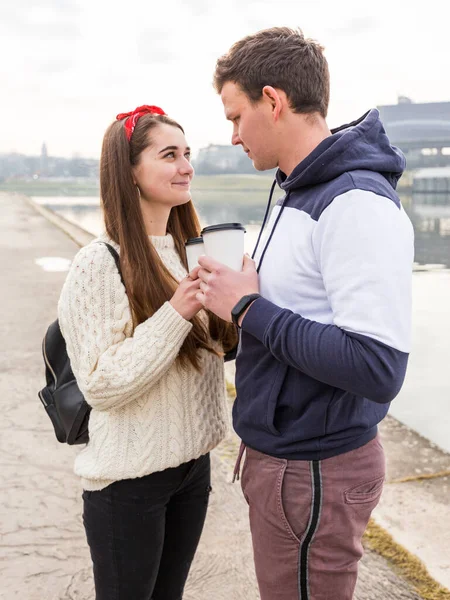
<point x="132" y="117"/>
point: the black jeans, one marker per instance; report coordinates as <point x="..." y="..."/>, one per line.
<point x="143" y="533"/>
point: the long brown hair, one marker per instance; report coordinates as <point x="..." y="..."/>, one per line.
<point x="148" y="282"/>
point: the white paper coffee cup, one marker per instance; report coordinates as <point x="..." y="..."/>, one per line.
<point x="225" y="243"/>
<point x="194" y="249"/>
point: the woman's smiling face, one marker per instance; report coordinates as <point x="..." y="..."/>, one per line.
<point x="164" y="171"/>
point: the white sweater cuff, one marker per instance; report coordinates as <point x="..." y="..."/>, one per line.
<point x="169" y="321"/>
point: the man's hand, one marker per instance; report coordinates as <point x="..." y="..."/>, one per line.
<point x="221" y="287"/>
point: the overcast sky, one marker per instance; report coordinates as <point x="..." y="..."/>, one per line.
<point x="67" y="67"/>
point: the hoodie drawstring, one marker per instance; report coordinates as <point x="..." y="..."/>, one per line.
<point x="265" y="216"/>
<point x="273" y="231"/>
<point x="237" y="466"/>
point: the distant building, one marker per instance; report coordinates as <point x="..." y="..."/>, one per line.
<point x="20" y="166"/>
<point x="43" y="164"/>
<point x="221" y="159"/>
<point x="432" y="181"/>
<point x="431" y="193"/>
<point x="421" y="131"/>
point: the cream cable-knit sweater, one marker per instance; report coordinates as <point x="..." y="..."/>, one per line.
<point x="148" y="413"/>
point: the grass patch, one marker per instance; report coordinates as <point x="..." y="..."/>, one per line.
<point x="408" y="566"/>
<point x="232" y="182"/>
<point x="422" y="477"/>
<point x="222" y="184"/>
<point x="231" y="390"/>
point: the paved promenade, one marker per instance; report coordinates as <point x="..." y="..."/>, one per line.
<point x="43" y="553"/>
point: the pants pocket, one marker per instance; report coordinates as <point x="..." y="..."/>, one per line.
<point x="272" y="401"/>
<point x="365" y="493"/>
<point x="86" y="494"/>
<point x="294" y="497"/>
<point x="242" y="475"/>
<point x="208" y="493"/>
<point x="196" y="468"/>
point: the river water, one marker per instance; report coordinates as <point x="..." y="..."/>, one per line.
<point x="424" y="402"/>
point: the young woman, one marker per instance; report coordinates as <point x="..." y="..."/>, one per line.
<point x="149" y="361"/>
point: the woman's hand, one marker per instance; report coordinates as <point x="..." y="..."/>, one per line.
<point x="184" y="300"/>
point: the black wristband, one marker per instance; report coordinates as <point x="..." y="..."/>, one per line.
<point x="242" y="306"/>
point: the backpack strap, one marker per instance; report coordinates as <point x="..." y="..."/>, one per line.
<point x="116" y="257"/>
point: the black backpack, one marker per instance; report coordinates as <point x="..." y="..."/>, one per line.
<point x="61" y="397"/>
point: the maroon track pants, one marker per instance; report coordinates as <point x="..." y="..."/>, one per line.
<point x="307" y="519"/>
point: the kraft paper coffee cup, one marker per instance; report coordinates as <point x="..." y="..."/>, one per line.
<point x="225" y="243"/>
<point x="194" y="249"/>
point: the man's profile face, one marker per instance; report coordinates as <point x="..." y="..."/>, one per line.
<point x="252" y="126"/>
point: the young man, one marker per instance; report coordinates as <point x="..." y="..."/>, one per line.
<point x="324" y="346"/>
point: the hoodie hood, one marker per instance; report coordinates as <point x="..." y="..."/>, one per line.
<point x="362" y="144"/>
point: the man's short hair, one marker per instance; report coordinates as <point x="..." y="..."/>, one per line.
<point x="282" y="58"/>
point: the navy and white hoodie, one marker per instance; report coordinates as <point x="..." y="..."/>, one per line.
<point x="324" y="350"/>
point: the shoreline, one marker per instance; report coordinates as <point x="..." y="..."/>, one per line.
<point x="76" y="233"/>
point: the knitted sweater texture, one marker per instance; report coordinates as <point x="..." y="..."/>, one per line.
<point x="148" y="412"/>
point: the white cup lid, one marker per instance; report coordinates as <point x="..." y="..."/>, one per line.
<point x="223" y="227"/>
<point x="192" y="241"/>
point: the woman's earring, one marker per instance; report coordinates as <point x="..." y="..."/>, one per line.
<point x="139" y="191"/>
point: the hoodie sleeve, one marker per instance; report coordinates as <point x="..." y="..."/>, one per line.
<point x="364" y="248"/>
